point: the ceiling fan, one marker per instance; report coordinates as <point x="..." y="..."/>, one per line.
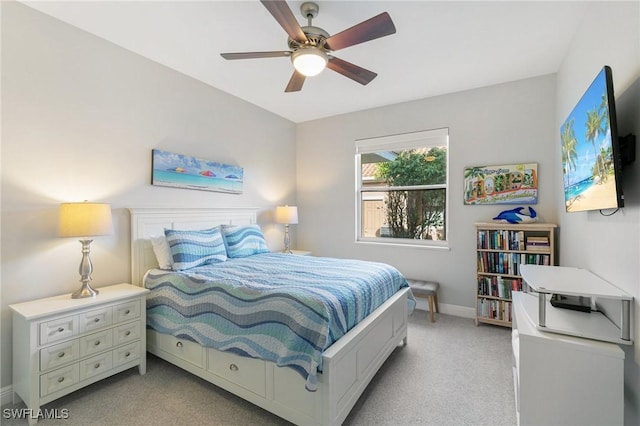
<point x="311" y="46"/>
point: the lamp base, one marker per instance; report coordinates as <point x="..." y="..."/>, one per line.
<point x="84" y="291"/>
<point x="85" y="273"/>
<point x="287" y="239"/>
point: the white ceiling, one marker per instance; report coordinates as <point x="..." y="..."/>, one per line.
<point x="439" y="47"/>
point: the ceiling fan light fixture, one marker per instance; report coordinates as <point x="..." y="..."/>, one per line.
<point x="309" y="61"/>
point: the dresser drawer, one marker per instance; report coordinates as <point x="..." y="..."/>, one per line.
<point x="96" y="342"/>
<point x="126" y="333"/>
<point x="94" y="320"/>
<point x="58" y="355"/>
<point x="126" y="311"/>
<point x="59" y="329"/>
<point x="96" y="365"/>
<point x="59" y="379"/>
<point x="249" y="373"/>
<point x="126" y="354"/>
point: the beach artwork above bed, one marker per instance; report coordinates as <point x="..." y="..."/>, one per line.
<point x="183" y="171"/>
<point x="507" y="184"/>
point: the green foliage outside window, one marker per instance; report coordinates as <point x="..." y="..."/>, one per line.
<point x="415" y="213"/>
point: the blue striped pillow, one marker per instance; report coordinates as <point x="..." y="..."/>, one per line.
<point x="195" y="248"/>
<point x="243" y="241"/>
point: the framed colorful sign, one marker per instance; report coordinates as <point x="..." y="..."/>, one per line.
<point x="181" y="171"/>
<point x="509" y="184"/>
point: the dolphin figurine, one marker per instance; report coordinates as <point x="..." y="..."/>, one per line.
<point x="517" y="216"/>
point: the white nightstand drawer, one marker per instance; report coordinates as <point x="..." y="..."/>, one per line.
<point x="126" y="354"/>
<point x="94" y="320"/>
<point x="96" y="365"/>
<point x="127" y="311"/>
<point x="58" y="355"/>
<point x="96" y="342"/>
<point x="126" y="333"/>
<point x="58" y="379"/>
<point x="247" y="372"/>
<point x="56" y="330"/>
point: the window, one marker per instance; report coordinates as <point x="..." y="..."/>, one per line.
<point x="401" y="183"/>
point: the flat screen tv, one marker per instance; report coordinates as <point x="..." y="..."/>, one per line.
<point x="591" y="162"/>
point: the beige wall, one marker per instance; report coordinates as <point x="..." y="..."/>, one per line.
<point x="608" y="246"/>
<point x="503" y="124"/>
<point x="80" y="117"/>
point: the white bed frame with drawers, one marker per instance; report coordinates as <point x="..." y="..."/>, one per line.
<point x="348" y="365"/>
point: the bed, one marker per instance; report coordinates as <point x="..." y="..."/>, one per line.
<point x="346" y="366"/>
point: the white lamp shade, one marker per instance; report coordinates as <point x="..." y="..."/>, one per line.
<point x="85" y="220"/>
<point x="309" y="61"/>
<point x="287" y="215"/>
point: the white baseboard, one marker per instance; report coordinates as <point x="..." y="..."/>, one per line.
<point x="455" y="310"/>
<point x="6" y="395"/>
<point x="458" y="311"/>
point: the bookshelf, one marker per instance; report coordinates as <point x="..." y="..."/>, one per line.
<point x="500" y="250"/>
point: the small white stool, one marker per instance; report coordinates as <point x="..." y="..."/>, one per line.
<point x="428" y="290"/>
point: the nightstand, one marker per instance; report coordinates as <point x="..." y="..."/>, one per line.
<point x="62" y="344"/>
<point x="301" y="252"/>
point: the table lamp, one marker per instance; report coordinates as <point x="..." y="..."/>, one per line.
<point x="287" y="215"/>
<point x="85" y="220"/>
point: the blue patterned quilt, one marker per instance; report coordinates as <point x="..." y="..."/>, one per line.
<point x="279" y="307"/>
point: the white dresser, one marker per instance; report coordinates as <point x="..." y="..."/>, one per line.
<point x="62" y="344"/>
<point x="561" y="379"/>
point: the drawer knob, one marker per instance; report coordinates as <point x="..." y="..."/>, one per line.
<point x="233" y="367"/>
<point x="127" y="312"/>
<point x="60" y="329"/>
<point x="97" y="365"/>
<point x="96" y="320"/>
<point x="128" y="333"/>
<point x="179" y="344"/>
<point x="61" y="354"/>
<point x="97" y="343"/>
<point x="60" y="379"/>
<point x="127" y="355"/>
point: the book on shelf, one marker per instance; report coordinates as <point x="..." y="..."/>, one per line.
<point x="534" y="240"/>
<point x="538" y="244"/>
<point x="520" y="242"/>
<point x="538" y="248"/>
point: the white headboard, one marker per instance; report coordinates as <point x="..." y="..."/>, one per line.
<point x="149" y="222"/>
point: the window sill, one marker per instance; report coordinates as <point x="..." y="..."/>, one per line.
<point x="442" y="245"/>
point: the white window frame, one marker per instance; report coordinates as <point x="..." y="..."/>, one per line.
<point x="405" y="141"/>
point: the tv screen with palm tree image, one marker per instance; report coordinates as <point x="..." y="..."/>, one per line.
<point x="591" y="162"/>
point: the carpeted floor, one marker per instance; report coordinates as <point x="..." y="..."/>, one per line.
<point x="450" y="373"/>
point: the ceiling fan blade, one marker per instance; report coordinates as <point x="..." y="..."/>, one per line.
<point x="371" y="29"/>
<point x="295" y="83"/>
<point x="351" y="71"/>
<point x="285" y="18"/>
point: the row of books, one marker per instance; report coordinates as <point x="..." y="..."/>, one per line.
<point x="501" y="240"/>
<point x="508" y="263"/>
<point x="494" y="309"/>
<point x="511" y="240"/>
<point x="498" y="286"/>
